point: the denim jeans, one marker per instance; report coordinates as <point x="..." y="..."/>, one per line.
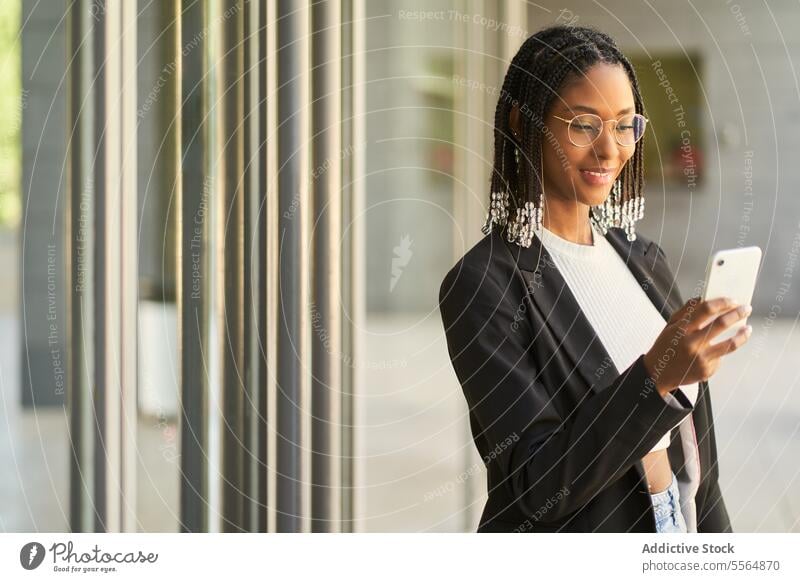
<point x="667" y="507"/>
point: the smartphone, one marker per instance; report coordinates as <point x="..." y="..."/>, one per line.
<point x="732" y="273"/>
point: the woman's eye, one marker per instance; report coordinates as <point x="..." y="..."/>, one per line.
<point x="582" y="127"/>
<point x="624" y="128"/>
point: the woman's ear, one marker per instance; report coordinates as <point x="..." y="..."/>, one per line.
<point x="513" y="120"/>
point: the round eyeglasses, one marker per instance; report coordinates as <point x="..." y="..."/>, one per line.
<point x="585" y="128"/>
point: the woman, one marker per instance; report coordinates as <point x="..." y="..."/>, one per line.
<point x="585" y="374"/>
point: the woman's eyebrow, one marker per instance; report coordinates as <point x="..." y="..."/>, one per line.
<point x="591" y="110"/>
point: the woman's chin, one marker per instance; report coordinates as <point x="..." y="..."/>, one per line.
<point x="594" y="198"/>
<point x="589" y="195"/>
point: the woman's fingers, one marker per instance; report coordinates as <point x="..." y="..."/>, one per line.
<point x="707" y="311"/>
<point x="696" y="307"/>
<point x="724" y="321"/>
<point x="687" y="336"/>
<point x="729" y="345"/>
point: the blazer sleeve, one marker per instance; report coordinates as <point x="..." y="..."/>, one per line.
<point x="579" y="455"/>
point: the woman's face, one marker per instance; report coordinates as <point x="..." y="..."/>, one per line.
<point x="605" y="91"/>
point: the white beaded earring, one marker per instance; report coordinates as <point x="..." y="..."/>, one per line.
<point x="520" y="231"/>
<point x="498" y="212"/>
<point x="612" y="213"/>
<point x="527" y="219"/>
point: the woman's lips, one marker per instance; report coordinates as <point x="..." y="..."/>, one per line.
<point x="597" y="177"/>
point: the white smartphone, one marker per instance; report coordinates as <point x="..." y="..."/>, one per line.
<point x="732" y="273"/>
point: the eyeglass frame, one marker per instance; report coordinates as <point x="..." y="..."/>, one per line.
<point x="604" y="121"/>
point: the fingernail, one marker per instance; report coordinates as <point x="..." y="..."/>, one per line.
<point x="748" y="310"/>
<point x="749" y="329"/>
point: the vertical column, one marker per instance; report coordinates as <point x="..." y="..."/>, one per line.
<point x="262" y="266"/>
<point x="292" y="402"/>
<point x="230" y="155"/>
<point x="471" y="131"/>
<point x="254" y="179"/>
<point x="354" y="19"/>
<point x="326" y="320"/>
<point x="104" y="66"/>
<point x="115" y="287"/>
<point x="271" y="263"/>
<point x="116" y="271"/>
<point x="80" y="274"/>
<point x="193" y="261"/>
<point x="128" y="262"/>
<point x="515" y="13"/>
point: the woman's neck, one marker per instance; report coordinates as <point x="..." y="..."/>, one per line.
<point x="569" y="220"/>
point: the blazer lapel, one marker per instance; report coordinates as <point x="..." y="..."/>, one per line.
<point x="559" y="309"/>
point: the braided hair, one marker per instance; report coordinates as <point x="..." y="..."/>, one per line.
<point x="534" y="77"/>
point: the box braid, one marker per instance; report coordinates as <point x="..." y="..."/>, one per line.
<point x="534" y="77"/>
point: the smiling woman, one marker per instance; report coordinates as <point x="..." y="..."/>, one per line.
<point x="567" y="330"/>
<point x="597" y="89"/>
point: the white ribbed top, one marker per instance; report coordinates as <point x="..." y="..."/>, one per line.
<point x="625" y="320"/>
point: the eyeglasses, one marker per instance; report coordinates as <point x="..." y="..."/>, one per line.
<point x="585" y="128"/>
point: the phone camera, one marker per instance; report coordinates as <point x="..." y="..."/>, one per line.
<point x="720" y="262"/>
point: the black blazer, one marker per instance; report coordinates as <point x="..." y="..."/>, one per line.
<point x="561" y="431"/>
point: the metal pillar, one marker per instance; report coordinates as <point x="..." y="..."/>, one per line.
<point x="326" y="320"/>
<point x="80" y="274"/>
<point x="102" y="149"/>
<point x="258" y="291"/>
<point x="229" y="157"/>
<point x="353" y="256"/>
<point x="194" y="290"/>
<point x="292" y="402"/>
<point x="255" y="268"/>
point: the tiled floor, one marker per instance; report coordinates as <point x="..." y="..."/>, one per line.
<point x="420" y="466"/>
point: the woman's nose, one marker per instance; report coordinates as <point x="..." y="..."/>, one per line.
<point x="606" y="146"/>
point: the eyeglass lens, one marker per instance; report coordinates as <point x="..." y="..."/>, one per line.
<point x="586" y="128"/>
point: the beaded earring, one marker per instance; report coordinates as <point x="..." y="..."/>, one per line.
<point x="498" y="212"/>
<point x="527" y="219"/>
<point x="498" y="205"/>
<point x="613" y="214"/>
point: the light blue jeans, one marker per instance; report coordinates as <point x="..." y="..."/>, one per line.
<point x="667" y="507"/>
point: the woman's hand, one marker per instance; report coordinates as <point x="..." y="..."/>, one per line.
<point x="683" y="353"/>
